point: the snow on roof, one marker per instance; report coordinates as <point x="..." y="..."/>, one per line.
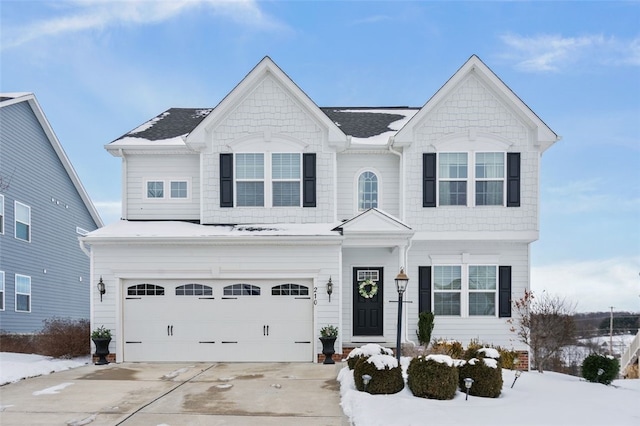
<point x="177" y="229"/>
<point x="394" y="126"/>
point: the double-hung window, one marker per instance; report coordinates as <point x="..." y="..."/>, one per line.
<point x="285" y="175"/>
<point x="158" y="189"/>
<point x="23" y="293"/>
<point x="490" y="168"/>
<point x="465" y="290"/>
<point x="268" y="180"/>
<point x="23" y="221"/>
<point x="452" y="183"/>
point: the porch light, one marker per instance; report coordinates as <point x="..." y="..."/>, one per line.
<point x="518" y="374"/>
<point x="467" y="384"/>
<point x="401" y="285"/>
<point x="329" y="289"/>
<point x="101" y="288"/>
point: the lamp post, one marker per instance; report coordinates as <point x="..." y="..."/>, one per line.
<point x="401" y="285"/>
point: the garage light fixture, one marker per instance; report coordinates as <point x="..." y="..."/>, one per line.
<point x="329" y="289"/>
<point x="101" y="288"/>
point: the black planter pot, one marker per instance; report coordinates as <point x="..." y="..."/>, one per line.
<point x="102" y="350"/>
<point x="328" y="349"/>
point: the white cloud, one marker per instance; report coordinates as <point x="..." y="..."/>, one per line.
<point x="551" y="52"/>
<point x="97" y="15"/>
<point x="110" y="211"/>
<point x="594" y="285"/>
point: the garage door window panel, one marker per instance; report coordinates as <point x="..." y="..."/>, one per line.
<point x="242" y="290"/>
<point x="145" y="290"/>
<point x="290" y="290"/>
<point x="194" y="290"/>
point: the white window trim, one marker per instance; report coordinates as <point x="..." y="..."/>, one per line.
<point x="464" y="291"/>
<point x="356" y="191"/>
<point x="1" y="214"/>
<point x="267" y="180"/>
<point x="166" y="189"/>
<point x="4" y="290"/>
<point x="16" y="221"/>
<point x="15" y="306"/>
<point x="471" y="178"/>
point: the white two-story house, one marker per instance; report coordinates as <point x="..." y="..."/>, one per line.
<point x="236" y="219"/>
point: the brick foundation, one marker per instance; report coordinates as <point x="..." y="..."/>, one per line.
<point x="336" y="357"/>
<point x="523" y="361"/>
<point x="110" y="358"/>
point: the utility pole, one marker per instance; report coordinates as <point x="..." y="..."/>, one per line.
<point x="611" y="333"/>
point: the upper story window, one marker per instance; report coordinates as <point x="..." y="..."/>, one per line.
<point x="367" y="191"/>
<point x="452" y="175"/>
<point x="23" y="293"/>
<point x="172" y="189"/>
<point x="490" y="179"/>
<point x="465" y="290"/>
<point x="253" y="188"/>
<point x="1" y="214"/>
<point x="23" y="221"/>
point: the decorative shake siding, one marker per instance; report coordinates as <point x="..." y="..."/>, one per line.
<point x="270" y="120"/>
<point x="168" y="167"/>
<point x="351" y="164"/>
<point x="473" y="118"/>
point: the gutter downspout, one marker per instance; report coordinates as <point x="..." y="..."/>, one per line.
<point x="402" y="182"/>
<point x="123" y="213"/>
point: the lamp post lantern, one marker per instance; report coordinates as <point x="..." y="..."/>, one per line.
<point x="401" y="285"/>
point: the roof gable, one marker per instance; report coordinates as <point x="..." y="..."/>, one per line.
<point x="10" y="99"/>
<point x="475" y="68"/>
<point x="374" y="220"/>
<point x="266" y="69"/>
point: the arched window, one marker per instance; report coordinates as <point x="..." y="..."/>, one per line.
<point x="367" y="191"/>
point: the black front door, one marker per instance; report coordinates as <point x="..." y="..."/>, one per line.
<point x="367" y="312"/>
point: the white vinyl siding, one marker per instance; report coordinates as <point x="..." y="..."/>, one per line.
<point x="23" y="221"/>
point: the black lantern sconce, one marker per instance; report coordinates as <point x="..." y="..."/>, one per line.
<point x="101" y="288"/>
<point x="329" y="289"/>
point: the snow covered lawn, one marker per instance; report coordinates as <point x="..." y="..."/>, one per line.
<point x="15" y="367"/>
<point x="536" y="399"/>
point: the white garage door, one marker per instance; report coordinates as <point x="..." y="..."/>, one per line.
<point x="252" y="321"/>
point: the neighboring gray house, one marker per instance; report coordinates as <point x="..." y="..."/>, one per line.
<point x="43" y="210"/>
<point x="249" y="226"/>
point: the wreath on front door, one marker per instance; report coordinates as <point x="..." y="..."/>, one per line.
<point x="368" y="289"/>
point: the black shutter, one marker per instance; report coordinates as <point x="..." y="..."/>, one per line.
<point x="309" y="180"/>
<point x="226" y="180"/>
<point x="513" y="179"/>
<point x="429" y="180"/>
<point x="504" y="292"/>
<point x="424" y="288"/>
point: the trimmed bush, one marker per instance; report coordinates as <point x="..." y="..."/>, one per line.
<point x="366" y="351"/>
<point x="434" y="377"/>
<point x="65" y="338"/>
<point x="608" y="367"/>
<point x="486" y="372"/>
<point x="425" y="327"/>
<point x="453" y="348"/>
<point x="386" y="375"/>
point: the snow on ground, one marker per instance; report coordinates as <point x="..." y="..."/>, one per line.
<point x="536" y="399"/>
<point x="15" y="367"/>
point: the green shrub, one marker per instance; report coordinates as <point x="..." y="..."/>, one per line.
<point x="386" y="375"/>
<point x="453" y="348"/>
<point x="366" y="351"/>
<point x="507" y="357"/>
<point x="425" y="327"/>
<point x="433" y="377"/>
<point x="486" y="373"/>
<point x="64" y="338"/>
<point x="608" y="367"/>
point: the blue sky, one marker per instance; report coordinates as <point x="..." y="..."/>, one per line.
<point x="100" y="69"/>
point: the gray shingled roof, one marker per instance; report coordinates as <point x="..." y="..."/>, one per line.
<point x="353" y="121"/>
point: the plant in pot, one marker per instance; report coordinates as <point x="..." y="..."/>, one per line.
<point x="328" y="336"/>
<point x="101" y="337"/>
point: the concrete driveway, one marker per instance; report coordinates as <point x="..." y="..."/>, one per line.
<point x="178" y="394"/>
